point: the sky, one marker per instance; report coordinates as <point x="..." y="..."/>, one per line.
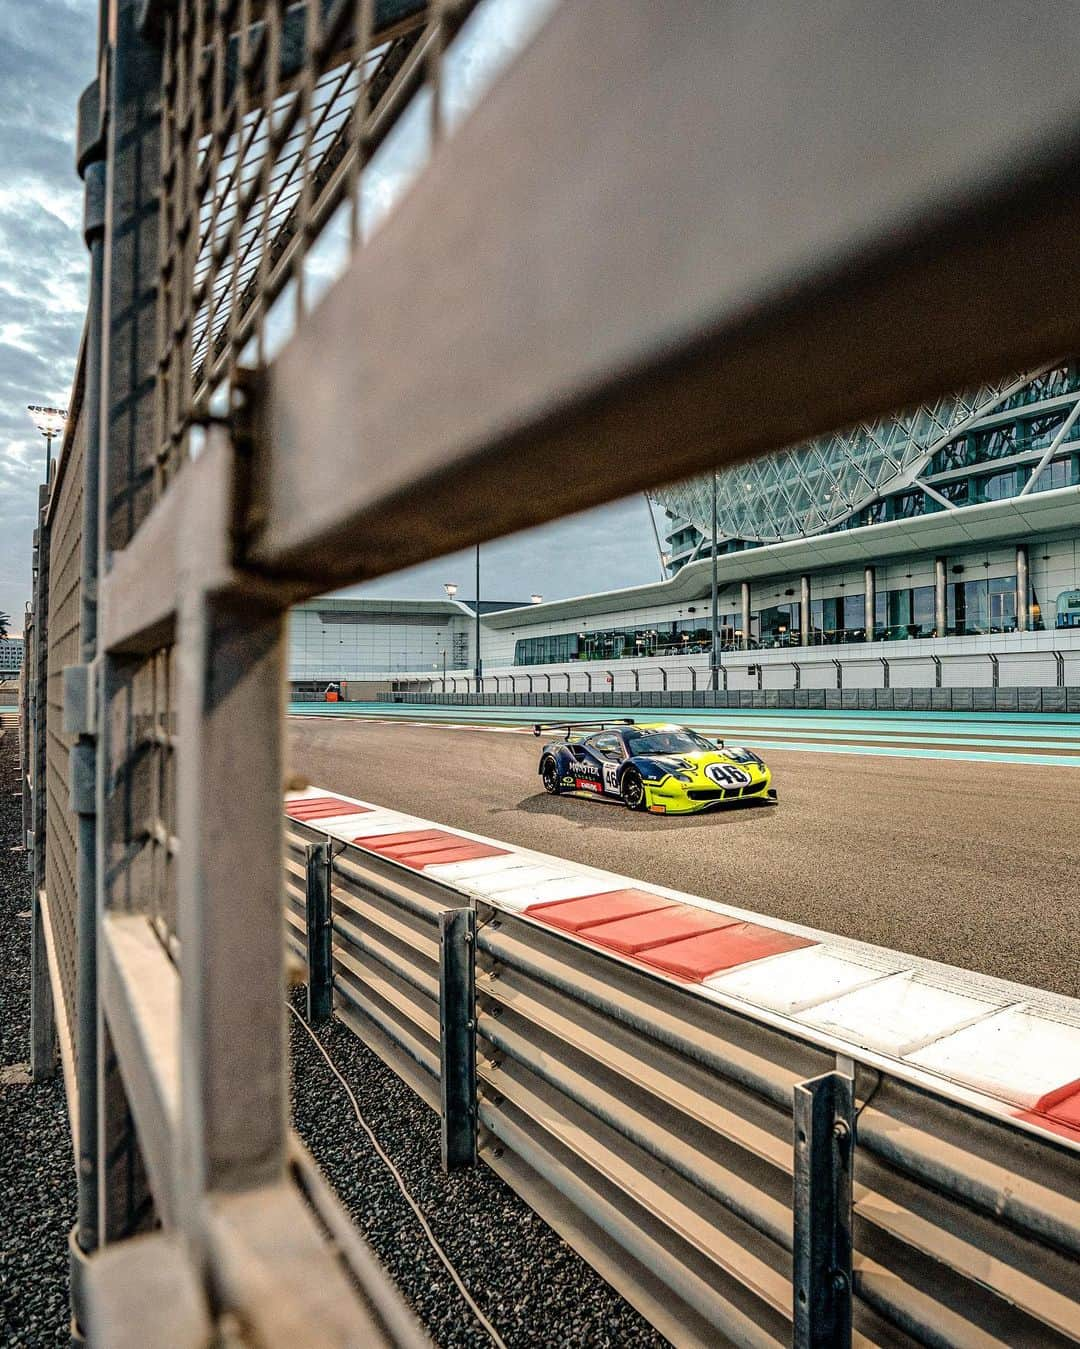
<point x="47" y="57"/>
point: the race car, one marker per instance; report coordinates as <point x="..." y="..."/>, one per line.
<point x="654" y="766"/>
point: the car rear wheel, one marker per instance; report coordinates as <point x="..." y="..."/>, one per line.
<point x="549" y="772"/>
<point x="633" y="790"/>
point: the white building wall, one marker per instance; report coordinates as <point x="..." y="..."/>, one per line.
<point x="335" y="644"/>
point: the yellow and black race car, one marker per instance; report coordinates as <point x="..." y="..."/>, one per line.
<point x="655" y="766"/>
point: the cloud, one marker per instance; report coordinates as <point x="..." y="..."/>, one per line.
<point x="48" y="52"/>
<point x="47" y="57"/>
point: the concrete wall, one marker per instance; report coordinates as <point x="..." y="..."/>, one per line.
<point x="1024" y="660"/>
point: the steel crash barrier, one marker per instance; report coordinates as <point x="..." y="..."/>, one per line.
<point x="234" y="447"/>
<point x="891" y="700"/>
<point x="736" y="1177"/>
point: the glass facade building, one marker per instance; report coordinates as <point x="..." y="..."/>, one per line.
<point x="985" y="445"/>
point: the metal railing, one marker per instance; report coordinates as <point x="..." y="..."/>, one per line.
<point x="666" y="1139"/>
<point x="228" y="149"/>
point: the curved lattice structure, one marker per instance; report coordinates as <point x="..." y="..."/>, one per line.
<point x="815" y="486"/>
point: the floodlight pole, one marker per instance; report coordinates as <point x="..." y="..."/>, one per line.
<point x="715" y="597"/>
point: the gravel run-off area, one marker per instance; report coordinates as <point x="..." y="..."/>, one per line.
<point x="37" y="1170"/>
<point x="532" y="1287"/>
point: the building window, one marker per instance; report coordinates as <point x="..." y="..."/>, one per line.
<point x="910" y="613"/>
<point x="1058" y="473"/>
<point x="999" y="486"/>
<point x="978" y="607"/>
<point x="779" y="625"/>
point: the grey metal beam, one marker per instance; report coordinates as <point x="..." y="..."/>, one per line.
<point x="457" y="1037"/>
<point x="229" y="773"/>
<point x="524" y="307"/>
<point x="268" y="1258"/>
<point x="320" y="932"/>
<point x="821" y="1273"/>
<point x="140" y="996"/>
<point x="139" y="593"/>
<point x="146" y="1294"/>
<point x="124" y="374"/>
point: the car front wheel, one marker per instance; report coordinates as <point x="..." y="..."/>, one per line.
<point x="633" y="790"/>
<point x="549" y="773"/>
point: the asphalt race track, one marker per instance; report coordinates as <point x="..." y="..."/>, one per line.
<point x="970" y="862"/>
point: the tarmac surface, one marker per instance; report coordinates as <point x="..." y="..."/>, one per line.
<point x="972" y="863"/>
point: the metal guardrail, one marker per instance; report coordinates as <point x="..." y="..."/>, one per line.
<point x="662" y="1136"/>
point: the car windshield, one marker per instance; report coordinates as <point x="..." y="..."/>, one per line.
<point x="674" y="741"/>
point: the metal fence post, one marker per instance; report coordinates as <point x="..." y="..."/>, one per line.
<point x="821" y="1271"/>
<point x="457" y="1036"/>
<point x="320" y="929"/>
<point x="80" y="712"/>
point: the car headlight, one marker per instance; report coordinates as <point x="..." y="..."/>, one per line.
<point x="745" y="756"/>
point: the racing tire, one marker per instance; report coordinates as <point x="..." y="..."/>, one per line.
<point x="633" y="790"/>
<point x="549" y="773"/>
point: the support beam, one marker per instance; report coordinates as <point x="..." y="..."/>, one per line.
<point x="1023" y="589"/>
<point x="941" y="608"/>
<point x="821" y="1272"/>
<point x="320" y="932"/>
<point x="140" y="996"/>
<point x="745" y="609"/>
<point x="804" y="611"/>
<point x="869" y="602"/>
<point x="466" y="421"/>
<point x="230" y="666"/>
<point x="457" y="1037"/>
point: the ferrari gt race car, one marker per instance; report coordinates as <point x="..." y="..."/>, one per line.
<point x="655" y="766"/>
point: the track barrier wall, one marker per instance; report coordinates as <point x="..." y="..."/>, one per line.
<point x="1045" y="700"/>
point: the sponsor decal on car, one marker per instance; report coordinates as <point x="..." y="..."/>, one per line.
<point x="587" y="770"/>
<point x="727" y="775"/>
<point x="583" y="785"/>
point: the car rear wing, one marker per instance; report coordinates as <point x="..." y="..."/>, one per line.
<point x="572" y="726"/>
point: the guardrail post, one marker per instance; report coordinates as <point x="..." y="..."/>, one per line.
<point x="995" y="676"/>
<point x="839" y="673"/>
<point x="821" y="1272"/>
<point x="937" y="671"/>
<point x="884" y="672"/>
<point x="1060" y="661"/>
<point x="457" y="1036"/>
<point x="320" y="981"/>
<point x="693" y="679"/>
<point x="798" y="674"/>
